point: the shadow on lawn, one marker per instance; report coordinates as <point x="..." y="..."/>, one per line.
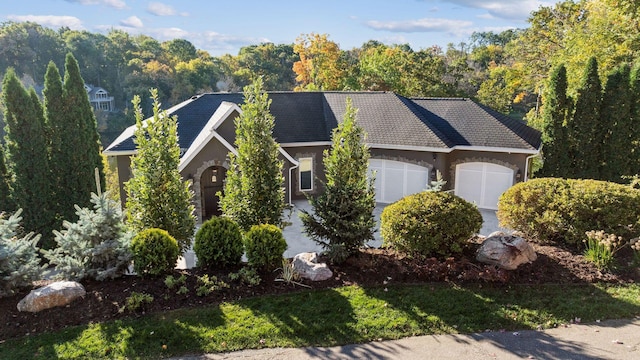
<point x="328" y="322"/>
<point x="500" y="310"/>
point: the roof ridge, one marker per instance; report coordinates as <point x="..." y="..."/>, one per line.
<point x="415" y="109"/>
<point x="509" y="122"/>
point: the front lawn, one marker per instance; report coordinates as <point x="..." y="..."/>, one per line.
<point x="349" y="314"/>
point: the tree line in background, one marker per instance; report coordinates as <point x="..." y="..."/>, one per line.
<point x="596" y="134"/>
<point x="506" y="71"/>
<point x="51" y="150"/>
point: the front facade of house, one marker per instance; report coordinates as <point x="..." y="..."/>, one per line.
<point x="479" y="152"/>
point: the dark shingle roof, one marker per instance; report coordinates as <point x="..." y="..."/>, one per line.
<point x="467" y="123"/>
<point x="389" y="119"/>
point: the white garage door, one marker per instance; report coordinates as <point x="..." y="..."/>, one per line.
<point x="395" y="179"/>
<point x="482" y="183"/>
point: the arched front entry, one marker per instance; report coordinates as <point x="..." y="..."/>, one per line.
<point x="211" y="181"/>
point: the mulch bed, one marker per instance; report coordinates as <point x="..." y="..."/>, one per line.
<point x="371" y="267"/>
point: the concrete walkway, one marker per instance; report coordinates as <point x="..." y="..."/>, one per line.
<point x="615" y="339"/>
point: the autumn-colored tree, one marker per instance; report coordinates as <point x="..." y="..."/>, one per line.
<point x="319" y="67"/>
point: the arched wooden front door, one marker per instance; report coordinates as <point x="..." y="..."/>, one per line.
<point x="211" y="182"/>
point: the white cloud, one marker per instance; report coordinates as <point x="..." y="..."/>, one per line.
<point x="50" y="21"/>
<point x="160" y="9"/>
<point x="420" y="25"/>
<point x="132" y="21"/>
<point x="116" y="4"/>
<point x="511" y="10"/>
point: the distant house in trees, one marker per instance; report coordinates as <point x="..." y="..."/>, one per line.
<point x="479" y="152"/>
<point x="99" y="98"/>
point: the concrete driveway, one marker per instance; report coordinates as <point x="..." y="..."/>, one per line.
<point x="298" y="241"/>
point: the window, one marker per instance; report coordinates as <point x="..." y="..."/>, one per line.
<point x="306" y="174"/>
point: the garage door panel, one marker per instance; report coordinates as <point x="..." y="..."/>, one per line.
<point x="395" y="179"/>
<point x="496" y="184"/>
<point x="416" y="181"/>
<point x="482" y="183"/>
<point x="469" y="186"/>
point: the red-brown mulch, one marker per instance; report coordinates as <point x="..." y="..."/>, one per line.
<point x="371" y="267"/>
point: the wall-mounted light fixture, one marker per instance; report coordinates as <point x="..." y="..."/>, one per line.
<point x="518" y="175"/>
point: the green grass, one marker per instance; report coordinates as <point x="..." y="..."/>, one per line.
<point x="332" y="317"/>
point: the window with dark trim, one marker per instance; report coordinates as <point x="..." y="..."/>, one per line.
<point x="305" y="172"/>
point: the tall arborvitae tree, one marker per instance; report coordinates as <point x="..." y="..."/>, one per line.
<point x="556" y="108"/>
<point x="87" y="145"/>
<point x="62" y="137"/>
<point x="156" y="195"/>
<point x="586" y="135"/>
<point x="615" y="123"/>
<point x="253" y="192"/>
<point x="6" y="202"/>
<point x="342" y="219"/>
<point x="27" y="156"/>
<point x="634" y="94"/>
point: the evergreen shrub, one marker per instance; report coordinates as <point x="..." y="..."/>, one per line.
<point x="429" y="223"/>
<point x="19" y="261"/>
<point x="265" y="246"/>
<point x="154" y="252"/>
<point x="552" y="210"/>
<point x="96" y="246"/>
<point x="219" y="242"/>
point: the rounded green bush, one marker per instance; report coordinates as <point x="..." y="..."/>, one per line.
<point x="430" y="223"/>
<point x="562" y="210"/>
<point x="154" y="252"/>
<point x="265" y="246"/>
<point x="219" y="242"/>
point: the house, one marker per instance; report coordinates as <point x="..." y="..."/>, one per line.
<point x="99" y="98"/>
<point x="479" y="152"/>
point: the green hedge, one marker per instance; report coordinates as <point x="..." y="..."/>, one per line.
<point x="265" y="246"/>
<point x="429" y="224"/>
<point x="552" y="210"/>
<point x="154" y="252"/>
<point x="219" y="243"/>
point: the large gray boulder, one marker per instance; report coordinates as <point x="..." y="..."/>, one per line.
<point x="505" y="251"/>
<point x="56" y="294"/>
<point x="307" y="266"/>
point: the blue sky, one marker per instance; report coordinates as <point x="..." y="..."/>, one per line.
<point x="225" y="26"/>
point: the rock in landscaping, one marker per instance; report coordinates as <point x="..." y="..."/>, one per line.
<point x="307" y="266"/>
<point x="505" y="251"/>
<point x="59" y="293"/>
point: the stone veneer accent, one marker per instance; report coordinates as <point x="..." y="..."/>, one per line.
<point x="405" y="160"/>
<point x="197" y="198"/>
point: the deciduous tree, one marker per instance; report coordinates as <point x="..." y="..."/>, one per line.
<point x="253" y="192"/>
<point x="319" y="67"/>
<point x="157" y="197"/>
